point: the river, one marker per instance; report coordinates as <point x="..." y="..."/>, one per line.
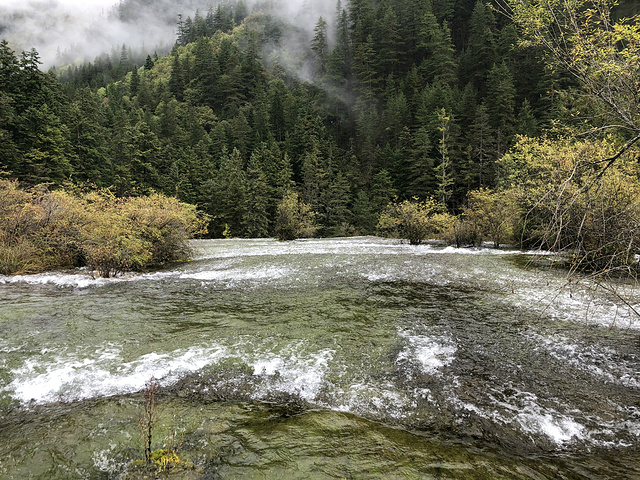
<point x="322" y="358"/>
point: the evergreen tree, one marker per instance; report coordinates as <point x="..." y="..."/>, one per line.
<point x="340" y="59"/>
<point x="9" y="155"/>
<point x="143" y="155"/>
<point x="336" y="200"/>
<point x="255" y="222"/>
<point x="230" y="199"/>
<point x="387" y="40"/>
<point x="364" y="218"/>
<point x="134" y="83"/>
<point x="149" y="63"/>
<point x="526" y="123"/>
<point x="382" y="191"/>
<point x="480" y="54"/>
<point x="444" y="174"/>
<point x="9" y="69"/>
<point x="89" y="139"/>
<point x="277" y="120"/>
<point x="483" y="150"/>
<point x="421" y="170"/>
<point x="501" y="105"/>
<point x="320" y="46"/>
<point x="177" y="80"/>
<point x="364" y="61"/>
<point x="204" y="88"/>
<point x="47" y="150"/>
<point x="223" y="18"/>
<point x="313" y="176"/>
<point x="240" y="12"/>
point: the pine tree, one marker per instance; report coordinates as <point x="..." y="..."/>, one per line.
<point x="320" y="46"/>
<point x="143" y="154"/>
<point x="341" y="57"/>
<point x="253" y="73"/>
<point x="134" y="83"/>
<point x="444" y="174"/>
<point x="231" y="197"/>
<point x="480" y="54"/>
<point x="387" y="40"/>
<point x="9" y="155"/>
<point x="89" y="139"/>
<point x="336" y="200"/>
<point x="421" y="170"/>
<point x="223" y="18"/>
<point x="255" y="222"/>
<point x="483" y="150"/>
<point x="204" y="87"/>
<point x="439" y="63"/>
<point x="47" y="150"/>
<point x="501" y="105"/>
<point x="9" y="68"/>
<point x="229" y="88"/>
<point x="148" y="64"/>
<point x="277" y="120"/>
<point x="364" y="61"/>
<point x="313" y="176"/>
<point x="382" y="191"/>
<point x="526" y="123"/>
<point x="177" y="80"/>
<point x="240" y="12"/>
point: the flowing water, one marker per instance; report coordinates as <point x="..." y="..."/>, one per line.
<point x="341" y="358"/>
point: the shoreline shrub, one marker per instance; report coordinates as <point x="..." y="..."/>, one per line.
<point x="42" y="230"/>
<point x="415" y="221"/>
<point x="569" y="204"/>
<point x="294" y="218"/>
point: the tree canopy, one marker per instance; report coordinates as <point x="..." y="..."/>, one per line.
<point x="377" y="103"/>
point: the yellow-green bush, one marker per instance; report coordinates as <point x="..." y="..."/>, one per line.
<point x="567" y="202"/>
<point x="294" y="218"/>
<point x="41" y="230"/>
<point x="415" y="221"/>
<point x="487" y="215"/>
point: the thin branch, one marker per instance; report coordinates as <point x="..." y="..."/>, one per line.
<point x="610" y="161"/>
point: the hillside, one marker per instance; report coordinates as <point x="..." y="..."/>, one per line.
<point x="374" y="101"/>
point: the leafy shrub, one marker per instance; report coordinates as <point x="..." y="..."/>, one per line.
<point x="569" y="203"/>
<point x="40" y="230"/>
<point x="19" y="258"/>
<point x="415" y="221"/>
<point x="294" y="218"/>
<point x="487" y="215"/>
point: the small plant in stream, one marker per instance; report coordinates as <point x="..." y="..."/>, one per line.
<point x="149" y="416"/>
<point x="166" y="458"/>
<point x="162" y="458"/>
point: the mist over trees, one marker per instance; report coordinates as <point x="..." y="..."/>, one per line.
<point x="344" y="108"/>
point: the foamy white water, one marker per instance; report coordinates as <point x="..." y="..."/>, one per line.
<point x="428" y="335"/>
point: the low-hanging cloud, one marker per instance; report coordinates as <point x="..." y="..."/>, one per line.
<point x="65" y="31"/>
<point x="80" y="30"/>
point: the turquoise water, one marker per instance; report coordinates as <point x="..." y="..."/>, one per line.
<point x="340" y="358"/>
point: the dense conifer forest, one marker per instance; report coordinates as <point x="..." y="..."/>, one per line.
<point x="383" y="101"/>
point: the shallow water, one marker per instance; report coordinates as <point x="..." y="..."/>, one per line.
<point x="341" y="358"/>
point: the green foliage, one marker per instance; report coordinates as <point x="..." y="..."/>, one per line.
<point x="294" y="218"/>
<point x="389" y="98"/>
<point x="600" y="52"/>
<point x="570" y="203"/>
<point x="164" y="459"/>
<point x="41" y="229"/>
<point x="415" y="221"/>
<point x="488" y="215"/>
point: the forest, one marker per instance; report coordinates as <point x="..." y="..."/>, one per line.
<point x="440" y="112"/>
